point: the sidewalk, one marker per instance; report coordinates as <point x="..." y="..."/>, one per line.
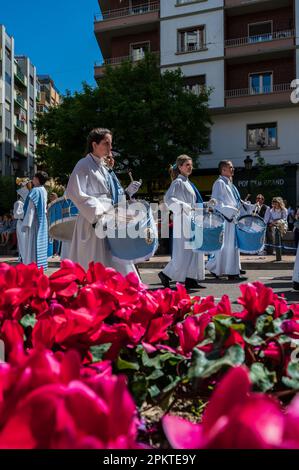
<point x="249" y="262"/>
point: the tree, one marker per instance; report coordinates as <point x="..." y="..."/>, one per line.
<point x="153" y="118"/>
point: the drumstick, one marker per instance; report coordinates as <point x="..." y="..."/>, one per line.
<point x="130" y="175"/>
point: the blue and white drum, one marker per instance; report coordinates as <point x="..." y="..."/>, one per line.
<point x="62" y="215"/>
<point x="132" y="234"/>
<point x="250" y="233"/>
<point x="208" y="232"/>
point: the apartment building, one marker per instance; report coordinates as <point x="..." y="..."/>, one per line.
<point x="126" y="30"/>
<point x="18" y="92"/>
<point x="48" y="95"/>
<point x="245" y="51"/>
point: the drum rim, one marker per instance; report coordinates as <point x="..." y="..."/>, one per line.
<point x="60" y="221"/>
<point x="253" y="216"/>
<point x="61" y="198"/>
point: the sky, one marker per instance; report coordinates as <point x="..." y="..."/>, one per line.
<point x="58" y="37"/>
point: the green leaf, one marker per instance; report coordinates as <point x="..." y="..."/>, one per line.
<point x="254" y="340"/>
<point x="264" y="324"/>
<point x="261" y="377"/>
<point x="28" y="320"/>
<point x="98" y="352"/>
<point x="203" y="368"/>
<point x="290" y="383"/>
<point x="122" y="364"/>
<point x="293" y="370"/>
<point x="154" y="391"/>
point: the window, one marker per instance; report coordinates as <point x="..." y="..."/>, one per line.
<point x="31" y="80"/>
<point x="7" y="106"/>
<point x="195" y="84"/>
<point x="8" y="53"/>
<point x="7" y="78"/>
<point x="191" y="39"/>
<point x="7" y="133"/>
<point x="31" y="102"/>
<point x="261" y="83"/>
<point x="262" y="135"/>
<point x="260" y="31"/>
<point x="138" y="51"/>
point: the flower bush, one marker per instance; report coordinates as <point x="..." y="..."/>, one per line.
<point x="129" y="343"/>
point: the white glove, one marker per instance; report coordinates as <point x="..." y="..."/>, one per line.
<point x="133" y="188"/>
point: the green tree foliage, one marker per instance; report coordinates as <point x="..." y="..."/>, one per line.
<point x="153" y="118"/>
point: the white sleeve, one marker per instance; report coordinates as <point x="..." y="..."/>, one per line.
<point x="18" y="210"/>
<point x="218" y="193"/>
<point x="267" y="215"/>
<point x="174" y="197"/>
<point x="29" y="216"/>
<point x="89" y="206"/>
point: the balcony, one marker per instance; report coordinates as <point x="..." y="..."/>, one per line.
<point x="20" y="76"/>
<point x="118" y="22"/>
<point x="247" y="97"/>
<point x="20" y="100"/>
<point x="261" y="44"/>
<point x="237" y="7"/>
<point x="20" y="125"/>
<point x="21" y="149"/>
<point x="99" y="67"/>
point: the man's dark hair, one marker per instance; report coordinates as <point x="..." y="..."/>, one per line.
<point x="96" y="135"/>
<point x="223" y="164"/>
<point x="42" y="177"/>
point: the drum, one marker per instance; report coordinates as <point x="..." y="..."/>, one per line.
<point x="62" y="214"/>
<point x="131" y="232"/>
<point x="250" y="233"/>
<point x="208" y="232"/>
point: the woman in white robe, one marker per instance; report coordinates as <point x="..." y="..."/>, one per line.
<point x="18" y="213"/>
<point x="185" y="265"/>
<point x="89" y="188"/>
<point x="226" y="262"/>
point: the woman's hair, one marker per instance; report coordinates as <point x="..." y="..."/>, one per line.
<point x="42" y="177"/>
<point x="96" y="135"/>
<point x="174" y="170"/>
<point x="279" y="201"/>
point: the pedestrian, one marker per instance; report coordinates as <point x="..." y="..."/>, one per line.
<point x="18" y="213"/>
<point x="35" y="223"/>
<point x="277" y="221"/>
<point x="92" y="189"/>
<point x="226" y="261"/>
<point x="182" y="196"/>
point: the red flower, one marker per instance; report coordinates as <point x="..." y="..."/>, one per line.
<point x="191" y="332"/>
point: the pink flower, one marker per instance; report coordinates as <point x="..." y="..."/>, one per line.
<point x="234" y="418"/>
<point x="191" y="332"/>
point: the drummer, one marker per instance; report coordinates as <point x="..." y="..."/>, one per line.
<point x="185" y="265"/>
<point x="91" y="187"/>
<point x="226" y="262"/>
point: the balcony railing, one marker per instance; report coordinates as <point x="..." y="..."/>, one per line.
<point x="20" y="149"/>
<point x="136" y="10"/>
<point x="286" y="34"/>
<point x="21" y="100"/>
<point x="120" y="60"/>
<point x="191" y="48"/>
<point x="21" y="125"/>
<point x="280" y="88"/>
<point x="19" y="74"/>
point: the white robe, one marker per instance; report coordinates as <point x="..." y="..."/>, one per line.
<point x="227" y="260"/>
<point x="296" y="267"/>
<point x="180" y="198"/>
<point x="65" y="249"/>
<point x="30" y="229"/>
<point x="88" y="188"/>
<point x="18" y="213"/>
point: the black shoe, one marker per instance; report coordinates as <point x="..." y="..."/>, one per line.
<point x="242" y="271"/>
<point x="296" y="285"/>
<point x="236" y="277"/>
<point x="192" y="284"/>
<point x="214" y="275"/>
<point x="164" y="279"/>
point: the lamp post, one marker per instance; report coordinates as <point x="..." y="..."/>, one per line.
<point x="248" y="167"/>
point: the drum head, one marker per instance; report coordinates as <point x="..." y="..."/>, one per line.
<point x="251" y="224"/>
<point x="63" y="230"/>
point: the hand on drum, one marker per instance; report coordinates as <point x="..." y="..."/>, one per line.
<point x="133" y="188"/>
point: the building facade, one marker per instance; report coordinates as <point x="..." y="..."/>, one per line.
<point x="246" y="52"/>
<point x="49" y="95"/>
<point x="126" y="30"/>
<point x="18" y="94"/>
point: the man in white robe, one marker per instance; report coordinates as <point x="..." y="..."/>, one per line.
<point x="18" y="213"/>
<point x="226" y="262"/>
<point x="91" y="191"/>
